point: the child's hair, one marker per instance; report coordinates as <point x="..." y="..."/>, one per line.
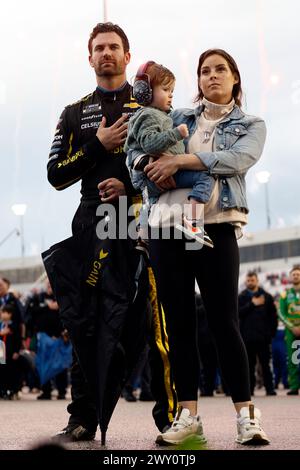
<point x="8" y="309"/>
<point x="159" y="75"/>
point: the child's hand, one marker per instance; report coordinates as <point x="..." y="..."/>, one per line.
<point x="183" y="129"/>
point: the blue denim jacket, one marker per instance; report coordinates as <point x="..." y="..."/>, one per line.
<point x="239" y="142"/>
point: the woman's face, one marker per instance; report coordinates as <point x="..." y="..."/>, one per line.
<point x="216" y="79"/>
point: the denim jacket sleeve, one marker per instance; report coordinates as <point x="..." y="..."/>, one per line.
<point x="238" y="157"/>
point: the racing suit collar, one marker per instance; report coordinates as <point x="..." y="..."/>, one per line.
<point x="111" y="93"/>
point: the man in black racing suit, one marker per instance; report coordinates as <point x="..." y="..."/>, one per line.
<point x="88" y="146"/>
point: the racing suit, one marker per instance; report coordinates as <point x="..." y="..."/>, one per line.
<point x="290" y="315"/>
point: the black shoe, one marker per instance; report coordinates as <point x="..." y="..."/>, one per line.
<point x="129" y="397"/>
<point x="44" y="396"/>
<point x="61" y="397"/>
<point x="127" y="393"/>
<point x="146" y="396"/>
<point x="292" y="392"/>
<point x="73" y="433"/>
<point x="159" y="440"/>
<point x="271" y="393"/>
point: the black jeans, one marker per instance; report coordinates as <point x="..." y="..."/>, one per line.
<point x="262" y="351"/>
<point x="216" y="271"/>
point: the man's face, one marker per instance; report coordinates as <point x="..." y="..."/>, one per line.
<point x="3" y="288"/>
<point x="295" y="276"/>
<point x="251" y="282"/>
<point x="108" y="57"/>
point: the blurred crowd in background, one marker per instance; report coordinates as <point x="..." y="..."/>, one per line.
<point x="27" y="321"/>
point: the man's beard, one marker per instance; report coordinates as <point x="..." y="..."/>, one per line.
<point x="109" y="72"/>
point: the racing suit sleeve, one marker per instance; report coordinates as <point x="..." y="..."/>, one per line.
<point x="66" y="164"/>
<point x="283" y="310"/>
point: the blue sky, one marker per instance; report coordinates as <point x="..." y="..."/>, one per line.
<point x="44" y="66"/>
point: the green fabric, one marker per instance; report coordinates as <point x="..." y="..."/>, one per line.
<point x="293" y="369"/>
<point x="290" y="307"/>
<point x="290" y="314"/>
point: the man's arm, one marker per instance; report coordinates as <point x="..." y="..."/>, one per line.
<point x="66" y="164"/>
<point x="246" y="306"/>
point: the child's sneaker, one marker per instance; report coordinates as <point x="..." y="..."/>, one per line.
<point x="183" y="427"/>
<point x="249" y="427"/>
<point x="192" y="228"/>
<point x="141" y="161"/>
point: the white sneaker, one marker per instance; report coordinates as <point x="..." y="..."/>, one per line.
<point x="183" y="427"/>
<point x="249" y="427"/>
<point x="192" y="229"/>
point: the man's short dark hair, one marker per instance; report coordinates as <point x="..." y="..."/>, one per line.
<point x="295" y="268"/>
<point x="252" y="274"/>
<point x="108" y="28"/>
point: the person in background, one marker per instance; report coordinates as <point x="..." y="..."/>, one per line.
<point x="10" y="372"/>
<point x="279" y="357"/>
<point x="289" y="312"/>
<point x="258" y="324"/>
<point x="8" y="298"/>
<point x="46" y="314"/>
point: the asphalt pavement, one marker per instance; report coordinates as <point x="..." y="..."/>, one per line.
<point x="28" y="422"/>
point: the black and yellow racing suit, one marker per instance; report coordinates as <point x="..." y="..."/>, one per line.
<point x="77" y="154"/>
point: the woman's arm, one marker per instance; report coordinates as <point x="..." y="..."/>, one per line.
<point x="167" y="165"/>
<point x="242" y="155"/>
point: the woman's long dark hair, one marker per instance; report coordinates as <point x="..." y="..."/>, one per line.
<point x="237" y="91"/>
